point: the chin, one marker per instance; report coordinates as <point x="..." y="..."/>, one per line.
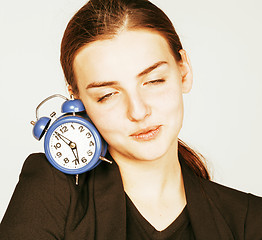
<point x="156" y="149"/>
<point x="154" y="153"/>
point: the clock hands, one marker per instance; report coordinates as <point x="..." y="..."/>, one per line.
<point x="66" y="140"/>
<point x="73" y="147"/>
<point x="75" y="152"/>
<point x="71" y="144"/>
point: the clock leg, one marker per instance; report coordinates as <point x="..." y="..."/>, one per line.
<point x="104" y="159"/>
<point x="77" y="179"/>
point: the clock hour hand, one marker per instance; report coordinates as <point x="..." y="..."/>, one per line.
<point x="75" y="152"/>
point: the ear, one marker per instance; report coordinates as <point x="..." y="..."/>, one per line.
<point x="186" y="71"/>
<point x="70" y="91"/>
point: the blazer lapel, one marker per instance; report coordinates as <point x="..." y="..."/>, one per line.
<point x="110" y="204"/>
<point x="206" y="220"/>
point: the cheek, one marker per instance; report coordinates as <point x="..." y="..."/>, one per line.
<point x="106" y="122"/>
<point x="169" y="101"/>
<point x="170" y="110"/>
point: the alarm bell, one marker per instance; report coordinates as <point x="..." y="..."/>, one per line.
<point x="40" y="127"/>
<point x="69" y="106"/>
<point x="73" y="106"/>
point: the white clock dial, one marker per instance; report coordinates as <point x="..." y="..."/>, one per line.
<point x="72" y="145"/>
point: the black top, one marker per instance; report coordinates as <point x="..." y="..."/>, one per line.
<point x="139" y="228"/>
<point x="47" y="205"/>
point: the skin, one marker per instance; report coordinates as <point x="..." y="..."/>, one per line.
<point x="132" y="90"/>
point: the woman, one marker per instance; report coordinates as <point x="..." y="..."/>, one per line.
<point x="124" y="60"/>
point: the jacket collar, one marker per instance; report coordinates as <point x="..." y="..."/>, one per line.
<point x="110" y="205"/>
<point x="204" y="216"/>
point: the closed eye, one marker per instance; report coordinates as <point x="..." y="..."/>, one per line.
<point x="106" y="97"/>
<point x="155" y="82"/>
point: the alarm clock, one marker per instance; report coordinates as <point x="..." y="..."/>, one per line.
<point x="72" y="143"/>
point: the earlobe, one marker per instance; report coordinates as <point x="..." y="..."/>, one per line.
<point x="70" y="90"/>
<point x="186" y="71"/>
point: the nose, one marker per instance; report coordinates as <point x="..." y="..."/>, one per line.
<point x="137" y="109"/>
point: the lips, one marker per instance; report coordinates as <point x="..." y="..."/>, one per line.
<point x="146" y="134"/>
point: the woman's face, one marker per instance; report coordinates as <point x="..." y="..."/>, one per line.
<point x="132" y="88"/>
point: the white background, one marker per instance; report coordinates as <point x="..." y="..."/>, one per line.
<point x="223" y="112"/>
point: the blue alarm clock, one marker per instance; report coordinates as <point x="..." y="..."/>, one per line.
<point x="72" y="143"/>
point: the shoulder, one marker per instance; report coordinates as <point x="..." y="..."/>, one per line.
<point x="42" y="178"/>
<point x="225" y="194"/>
<point x="40" y="202"/>
<point x="230" y="195"/>
<point x="237" y="207"/>
<point x="37" y="164"/>
<point x="39" y="174"/>
<point x="38" y="168"/>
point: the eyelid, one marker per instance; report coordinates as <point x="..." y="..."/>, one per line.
<point x="105" y="97"/>
<point x="156" y="81"/>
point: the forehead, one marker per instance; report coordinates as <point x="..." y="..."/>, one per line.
<point x="128" y="53"/>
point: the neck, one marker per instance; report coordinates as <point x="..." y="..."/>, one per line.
<point x="152" y="179"/>
<point x="155" y="187"/>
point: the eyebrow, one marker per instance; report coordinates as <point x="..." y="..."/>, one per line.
<point x="101" y="84"/>
<point x="151" y="68"/>
<point x="112" y="83"/>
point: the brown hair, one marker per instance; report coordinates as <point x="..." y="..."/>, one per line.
<point x="104" y="19"/>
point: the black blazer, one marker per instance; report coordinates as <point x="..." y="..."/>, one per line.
<point x="48" y="205"/>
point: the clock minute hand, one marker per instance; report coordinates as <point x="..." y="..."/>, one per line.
<point x="66" y="140"/>
<point x="71" y="144"/>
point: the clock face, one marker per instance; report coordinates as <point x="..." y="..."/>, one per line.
<point x="71" y="145"/>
